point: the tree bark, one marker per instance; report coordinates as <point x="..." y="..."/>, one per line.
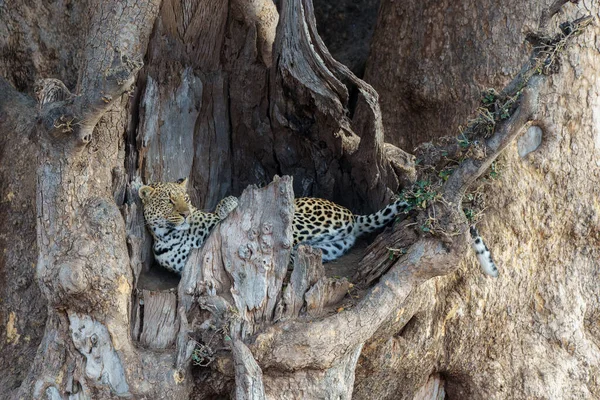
<point x="233" y="94"/>
<point x="499" y="339"/>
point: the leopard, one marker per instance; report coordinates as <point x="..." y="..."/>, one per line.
<point x="175" y="224"/>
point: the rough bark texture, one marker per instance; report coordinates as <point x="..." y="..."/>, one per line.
<point x="23" y="308"/>
<point x="533" y="332"/>
<point x="83" y="263"/>
<point x="233" y="93"/>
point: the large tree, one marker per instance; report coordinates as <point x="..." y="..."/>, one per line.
<point x="99" y="96"/>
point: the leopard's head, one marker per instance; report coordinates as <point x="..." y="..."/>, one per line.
<point x="166" y="204"/>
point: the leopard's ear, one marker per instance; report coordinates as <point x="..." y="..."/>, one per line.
<point x="183" y="182"/>
<point x="145" y="192"/>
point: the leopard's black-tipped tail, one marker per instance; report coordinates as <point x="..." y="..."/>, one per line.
<point x="370" y="223"/>
<point x="484" y="256"/>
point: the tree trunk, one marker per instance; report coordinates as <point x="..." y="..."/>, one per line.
<point x="533" y="333"/>
<point x="233" y="94"/>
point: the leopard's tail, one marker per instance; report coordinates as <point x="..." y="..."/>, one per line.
<point x="483" y="254"/>
<point x="370" y="223"/>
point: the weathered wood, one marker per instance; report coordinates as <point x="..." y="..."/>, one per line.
<point x="166" y="143"/>
<point x="159" y="327"/>
<point x="245" y="259"/>
<point x="295" y="119"/>
<point x="250" y="50"/>
<point x="424" y="259"/>
<point x="319" y="344"/>
<point x="301" y="82"/>
<point x="139" y="241"/>
<point x="336" y="382"/>
<point x="185" y="346"/>
<point x="379" y="256"/>
<point x="83" y="267"/>
<point x="184" y="124"/>
<point x="76" y="209"/>
<point x="248" y="376"/>
<point x="373" y="176"/>
<point x="308" y="269"/>
<point x="103" y="365"/>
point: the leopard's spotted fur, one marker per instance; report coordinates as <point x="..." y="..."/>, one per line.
<point x="176" y="226"/>
<point x="332" y="228"/>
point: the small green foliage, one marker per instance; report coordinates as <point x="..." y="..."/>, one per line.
<point x="470" y="214"/>
<point x="445" y="173"/>
<point x="422" y="184"/>
<point x="202" y="355"/>
<point x="463" y="141"/>
<point x="489" y="96"/>
<point x="494" y="170"/>
<point x="419" y="196"/>
<point x="426" y="227"/>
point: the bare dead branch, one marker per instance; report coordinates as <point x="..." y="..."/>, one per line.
<point x="551" y="11"/>
<point x="527" y="85"/>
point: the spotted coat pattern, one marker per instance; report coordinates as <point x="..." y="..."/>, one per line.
<point x="332" y="228"/>
<point x="176" y="226"/>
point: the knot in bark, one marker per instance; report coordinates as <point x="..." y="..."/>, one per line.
<point x="50" y="90"/>
<point x="246" y="252"/>
<point x="267" y="228"/>
<point x="72" y="278"/>
<point x="266" y="244"/>
<point x="252" y="234"/>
